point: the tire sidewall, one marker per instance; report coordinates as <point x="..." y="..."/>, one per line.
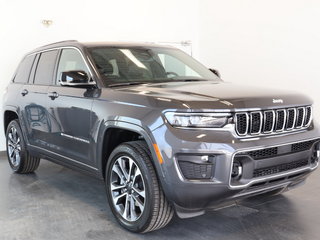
<point x="15" y="123"/>
<point x="144" y="220"/>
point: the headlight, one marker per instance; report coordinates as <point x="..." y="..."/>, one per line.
<point x="203" y="120"/>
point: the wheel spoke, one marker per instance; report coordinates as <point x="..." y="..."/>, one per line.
<point x="131" y="163"/>
<point x="10" y="143"/>
<point x="10" y="149"/>
<point x="136" y="174"/>
<point x="115" y="186"/>
<point x="142" y="193"/>
<point x="133" y="214"/>
<point x="125" y="213"/>
<point x="117" y="198"/>
<point x="11" y="153"/>
<point x="138" y="203"/>
<point x="122" y="167"/>
<point x="10" y="137"/>
<point x="19" y="148"/>
<point x="14" y="134"/>
<point x="117" y="170"/>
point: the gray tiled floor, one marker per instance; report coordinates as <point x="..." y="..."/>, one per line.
<point x="58" y="203"/>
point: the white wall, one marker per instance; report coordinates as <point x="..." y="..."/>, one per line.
<point x="21" y="29"/>
<point x="267" y="43"/>
<point x="253" y="42"/>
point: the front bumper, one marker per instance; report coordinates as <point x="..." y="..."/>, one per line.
<point x="192" y="196"/>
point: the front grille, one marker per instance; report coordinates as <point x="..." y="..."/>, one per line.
<point x="281" y="150"/>
<point x="272" y="121"/>
<point x="263" y="153"/>
<point x="279" y="168"/>
<point x="302" y="146"/>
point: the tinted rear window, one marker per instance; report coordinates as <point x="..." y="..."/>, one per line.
<point x="24" y="69"/>
<point x="45" y="68"/>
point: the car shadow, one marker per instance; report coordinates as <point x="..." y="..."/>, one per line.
<point x="264" y="217"/>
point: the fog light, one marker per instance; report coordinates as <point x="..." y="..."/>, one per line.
<point x="236" y="170"/>
<point x="196" y="167"/>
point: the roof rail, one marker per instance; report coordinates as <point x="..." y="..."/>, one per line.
<point x="59" y="42"/>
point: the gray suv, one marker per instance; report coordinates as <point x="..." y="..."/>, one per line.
<point x="165" y="133"/>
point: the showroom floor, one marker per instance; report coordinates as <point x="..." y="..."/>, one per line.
<point x="58" y="203"/>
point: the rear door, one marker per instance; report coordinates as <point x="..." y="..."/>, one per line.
<point x="35" y="97"/>
<point x="70" y="109"/>
<point x="20" y="80"/>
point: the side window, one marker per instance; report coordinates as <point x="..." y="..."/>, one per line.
<point x="45" y="68"/>
<point x="24" y="69"/>
<point x="70" y="60"/>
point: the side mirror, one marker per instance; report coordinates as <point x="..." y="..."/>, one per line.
<point x="215" y="72"/>
<point x="75" y="79"/>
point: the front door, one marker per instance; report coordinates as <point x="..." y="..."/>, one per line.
<point x="70" y="109"/>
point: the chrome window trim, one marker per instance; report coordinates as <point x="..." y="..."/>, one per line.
<point x="67" y="47"/>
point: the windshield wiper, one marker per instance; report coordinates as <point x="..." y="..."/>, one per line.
<point x="126" y="84"/>
<point x="155" y="82"/>
<point x="189" y="80"/>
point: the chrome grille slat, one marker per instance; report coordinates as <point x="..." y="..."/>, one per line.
<point x="272" y="121"/>
<point x="291" y="120"/>
<point x="242" y="119"/>
<point x="308" y="116"/>
<point x="256" y="122"/>
<point x="280" y="120"/>
<point x="268" y="123"/>
<point x="300" y="117"/>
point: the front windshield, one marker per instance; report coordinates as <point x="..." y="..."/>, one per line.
<point x="119" y="65"/>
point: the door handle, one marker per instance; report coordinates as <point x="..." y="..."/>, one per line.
<point x="53" y="95"/>
<point x="24" y="92"/>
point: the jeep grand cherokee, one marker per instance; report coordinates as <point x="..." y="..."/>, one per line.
<point x="165" y="133"/>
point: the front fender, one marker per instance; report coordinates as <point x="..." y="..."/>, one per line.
<point x="145" y="133"/>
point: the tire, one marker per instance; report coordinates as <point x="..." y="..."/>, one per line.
<point x="19" y="158"/>
<point x="148" y="213"/>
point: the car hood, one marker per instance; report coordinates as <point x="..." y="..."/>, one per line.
<point x="217" y="95"/>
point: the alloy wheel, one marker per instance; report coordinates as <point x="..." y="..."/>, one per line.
<point x="14" y="146"/>
<point x="127" y="188"/>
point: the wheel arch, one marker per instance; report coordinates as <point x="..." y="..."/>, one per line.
<point x="9" y="114"/>
<point x="134" y="132"/>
